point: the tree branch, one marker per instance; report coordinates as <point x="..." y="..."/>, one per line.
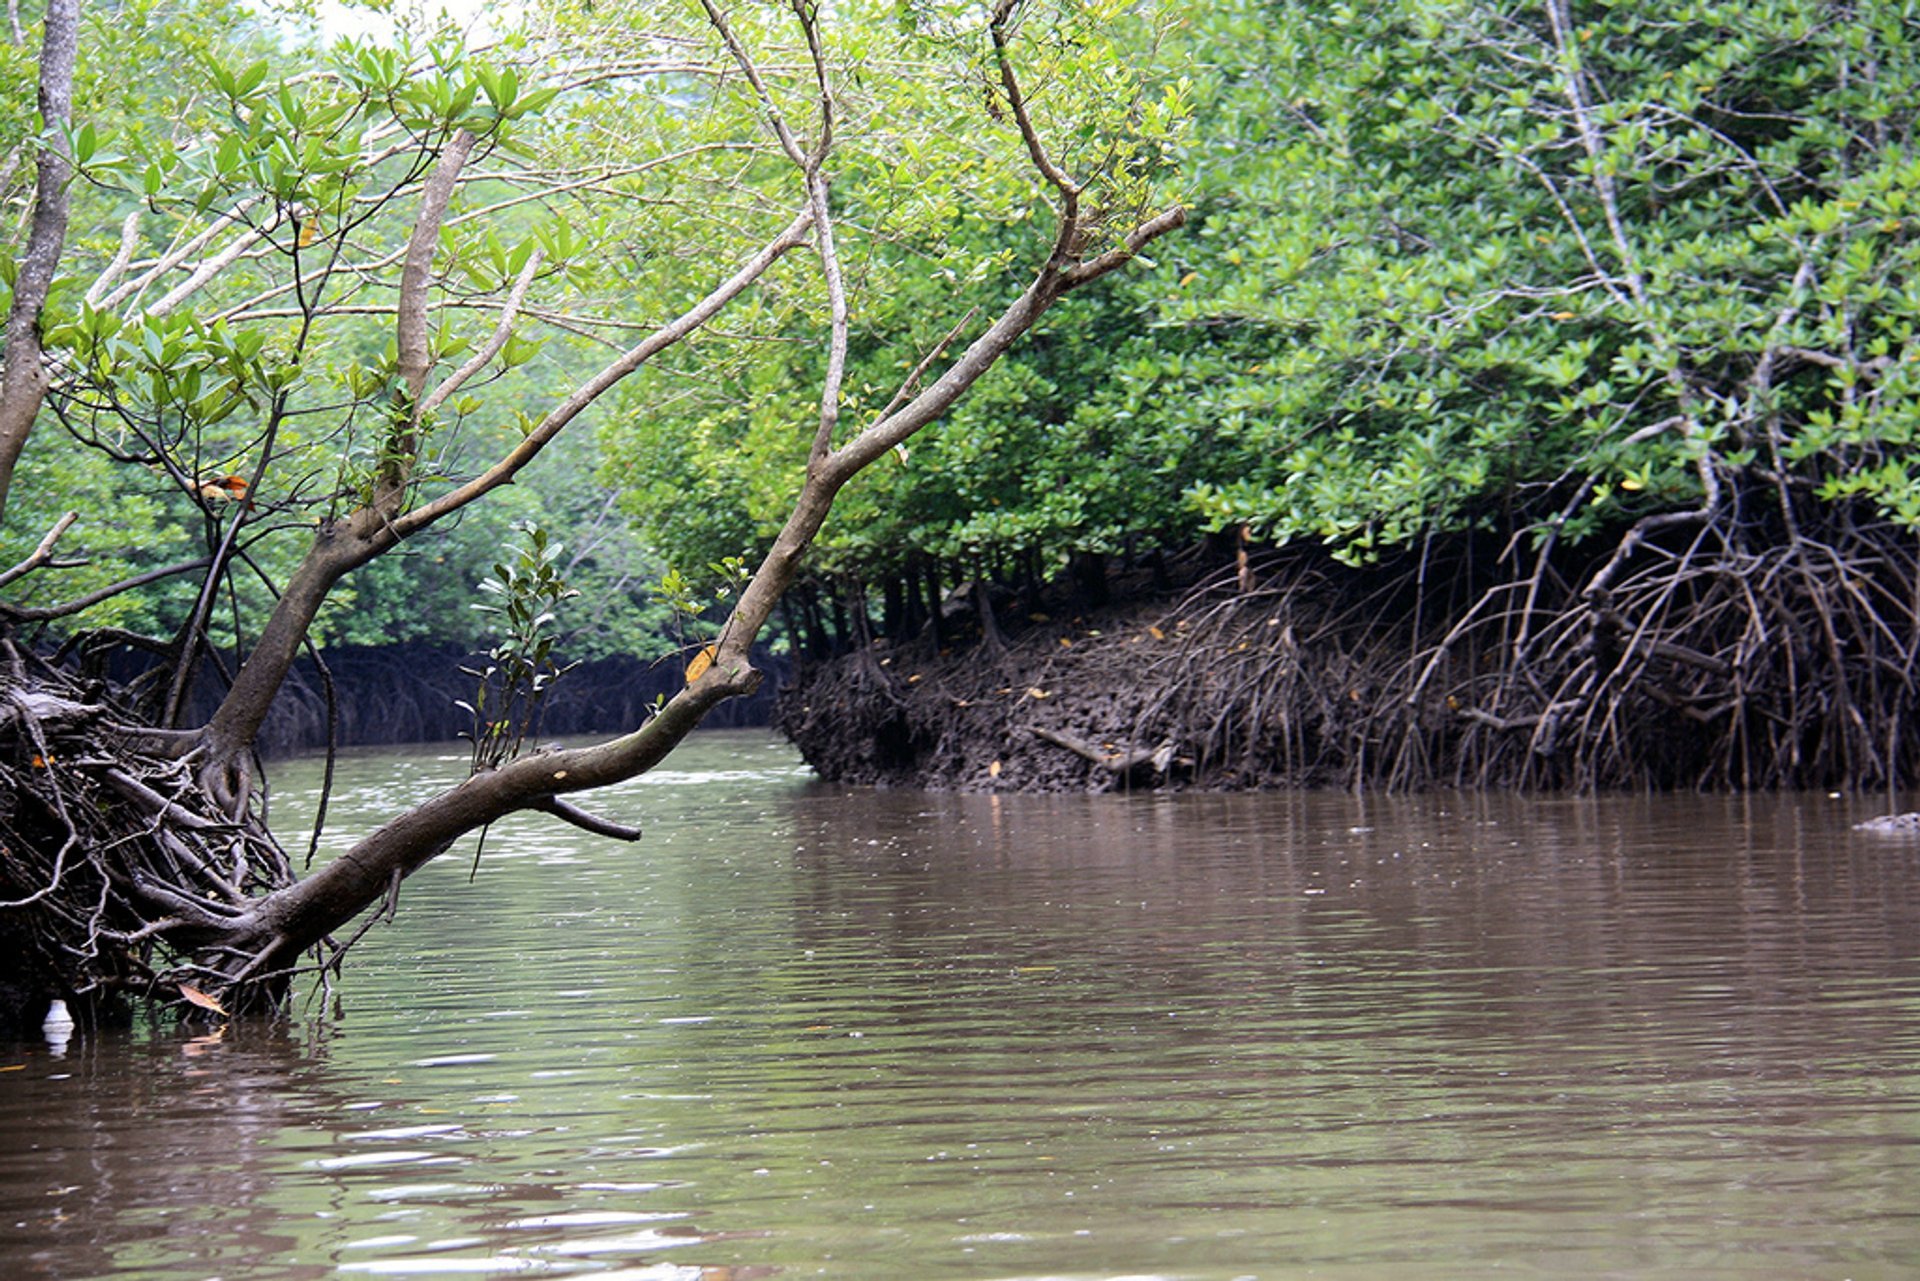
<point x="129" y="237"/>
<point x="43" y="553"/>
<point x="416" y="275"/>
<point x="501" y="332"/>
<point x="180" y="253"/>
<point x="587" y="822"/>
<point x="676" y="330"/>
<point x="410" y="321"/>
<point x="41" y="613"/>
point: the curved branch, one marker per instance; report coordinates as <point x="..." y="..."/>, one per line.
<point x="41" y="554"/>
<point x="129" y="237"/>
<point x="41" y="613"/>
<point x="503" y="331"/>
<point x="410" y="328"/>
<point x="587" y="822"/>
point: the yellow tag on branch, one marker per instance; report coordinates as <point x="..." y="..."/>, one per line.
<point x="701" y="662"/>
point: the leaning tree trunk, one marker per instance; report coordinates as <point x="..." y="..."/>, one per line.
<point x="137" y="860"/>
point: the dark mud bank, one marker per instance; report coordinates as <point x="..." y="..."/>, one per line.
<point x="1297" y="671"/>
<point x="1196" y="690"/>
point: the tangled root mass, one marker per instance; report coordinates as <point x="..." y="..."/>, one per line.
<point x="1687" y="659"/>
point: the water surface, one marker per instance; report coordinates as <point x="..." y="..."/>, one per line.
<point x="808" y="1031"/>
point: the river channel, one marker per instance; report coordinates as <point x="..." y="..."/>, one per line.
<point x="804" y="1031"/>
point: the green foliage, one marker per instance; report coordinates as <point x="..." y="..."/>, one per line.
<point x="1422" y="293"/>
<point x="522" y="594"/>
<point x="1481" y="300"/>
<point x="1454" y="264"/>
<point x="943" y="227"/>
<point x="271" y="374"/>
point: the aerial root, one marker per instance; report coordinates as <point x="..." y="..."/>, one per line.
<point x="117" y="871"/>
<point x="1707" y="656"/>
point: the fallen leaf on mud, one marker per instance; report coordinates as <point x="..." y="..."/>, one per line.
<point x="701" y="662"/>
<point x="1065" y="643"/>
<point x="194" y="996"/>
<point x="993" y="769"/>
<point x="1034" y="691"/>
<point x="911" y="679"/>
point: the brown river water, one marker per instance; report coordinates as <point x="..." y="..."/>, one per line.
<point x="810" y="1031"/>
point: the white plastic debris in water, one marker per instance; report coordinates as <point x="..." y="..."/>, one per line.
<point x="57" y="1026"/>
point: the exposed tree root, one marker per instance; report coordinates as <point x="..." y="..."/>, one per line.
<point x="118" y="876"/>
<point x="1683" y="657"/>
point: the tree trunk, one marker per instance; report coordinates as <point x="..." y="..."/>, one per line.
<point x="23" y="383"/>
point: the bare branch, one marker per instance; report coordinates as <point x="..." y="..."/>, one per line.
<point x="818" y="200"/>
<point x="788" y="142"/>
<point x="587" y="822"/>
<point x="938" y="350"/>
<point x="205" y="272"/>
<point x="1017" y="100"/>
<point x="129" y="237"/>
<point x="501" y="332"/>
<point x="44" y="552"/>
<point x="1129" y="248"/>
<point x="411" y="325"/>
<point x="41" y="613"/>
<point x="180" y="253"/>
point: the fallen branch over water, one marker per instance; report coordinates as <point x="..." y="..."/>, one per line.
<point x="1118" y="761"/>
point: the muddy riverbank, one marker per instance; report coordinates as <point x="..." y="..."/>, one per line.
<point x="1430" y="669"/>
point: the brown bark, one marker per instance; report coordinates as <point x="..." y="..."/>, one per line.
<point x="247" y="946"/>
<point x="23" y="384"/>
<point x="296" y="918"/>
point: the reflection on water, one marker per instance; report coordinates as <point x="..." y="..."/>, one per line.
<point x="805" y="1031"/>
